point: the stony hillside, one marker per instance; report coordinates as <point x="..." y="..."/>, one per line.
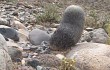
<point x="26" y="27"/>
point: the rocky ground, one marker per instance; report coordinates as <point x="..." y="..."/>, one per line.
<point x="27" y="29"/>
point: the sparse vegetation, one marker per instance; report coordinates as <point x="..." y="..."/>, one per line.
<point x="96" y="19"/>
<point x="50" y="14"/>
<point x="98" y="15"/>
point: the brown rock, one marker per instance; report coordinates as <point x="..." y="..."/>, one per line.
<point x="91" y="56"/>
<point x="18" y="25"/>
<point x="23" y="35"/>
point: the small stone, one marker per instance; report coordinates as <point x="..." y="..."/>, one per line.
<point x="23" y="61"/>
<point x="25" y="54"/>
<point x="37" y="36"/>
<point x="60" y="56"/>
<point x="33" y="63"/>
<point x="33" y="48"/>
<point x="55" y="25"/>
<point x="86" y="37"/>
<point x="99" y="36"/>
<point x="15" y="13"/>
<point x="29" y="6"/>
<point x="26" y="48"/>
<point x="3" y="21"/>
<point x="89" y="29"/>
<point x="39" y="68"/>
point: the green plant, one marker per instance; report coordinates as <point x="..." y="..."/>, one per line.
<point x="67" y="64"/>
<point x="50" y="15"/>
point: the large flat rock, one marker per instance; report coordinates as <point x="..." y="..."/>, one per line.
<point x="91" y="56"/>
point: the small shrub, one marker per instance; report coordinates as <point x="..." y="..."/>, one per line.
<point x="67" y="64"/>
<point x="92" y="19"/>
<point x="96" y="19"/>
<point x="50" y="15"/>
<point x="108" y="41"/>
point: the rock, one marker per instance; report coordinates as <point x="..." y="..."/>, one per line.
<point x="15" y="13"/>
<point x="39" y="67"/>
<point x="99" y="36"/>
<point x="40" y="27"/>
<point x="28" y="6"/>
<point x="3" y="44"/>
<point x="54" y="25"/>
<point x="25" y="68"/>
<point x="60" y="56"/>
<point x="5" y="60"/>
<point x="37" y="36"/>
<point x="3" y="21"/>
<point x="8" y="32"/>
<point x="86" y="37"/>
<point x="26" y="17"/>
<point x="18" y="25"/>
<point x="13" y="44"/>
<point x="8" y="7"/>
<point x="4" y="26"/>
<point x="15" y="53"/>
<point x="25" y="46"/>
<point x="25" y="54"/>
<point x="23" y="35"/>
<point x="33" y="63"/>
<point x="89" y="29"/>
<point x="22" y="19"/>
<point x="47" y="60"/>
<point x="49" y="68"/>
<point x="43" y="48"/>
<point x="91" y="56"/>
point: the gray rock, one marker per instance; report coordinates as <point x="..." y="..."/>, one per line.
<point x="15" y="53"/>
<point x="3" y="21"/>
<point x="86" y="37"/>
<point x="3" y="43"/>
<point x="39" y="67"/>
<point x="89" y="29"/>
<point x="8" y="32"/>
<point x="5" y="60"/>
<point x="91" y="56"/>
<point x="99" y="36"/>
<point x="37" y="36"/>
<point x="25" y="54"/>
